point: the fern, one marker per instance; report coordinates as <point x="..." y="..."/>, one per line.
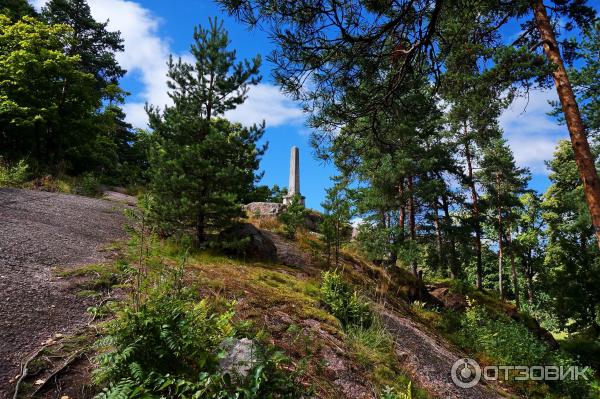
<point x="344" y="303"/>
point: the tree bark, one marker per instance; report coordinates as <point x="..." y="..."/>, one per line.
<point x="475" y="200"/>
<point x="500" y="246"/>
<point x="438" y="234"/>
<point x="200" y="235"/>
<point x="411" y="222"/>
<point x="454" y="272"/>
<point x="527" y="269"/>
<point x="402" y="218"/>
<point x="513" y="267"/>
<point x="581" y="148"/>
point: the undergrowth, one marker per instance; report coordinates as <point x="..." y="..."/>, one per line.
<point x="367" y="337"/>
<point x="497" y="339"/>
<point x="13" y="175"/>
<point x="170" y="344"/>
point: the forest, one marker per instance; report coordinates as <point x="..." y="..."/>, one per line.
<point x="403" y="97"/>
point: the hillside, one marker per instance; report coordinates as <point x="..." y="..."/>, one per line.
<point x="279" y="301"/>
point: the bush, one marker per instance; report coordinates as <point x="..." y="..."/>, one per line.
<point x="13" y="176"/>
<point x="507" y="342"/>
<point x="343" y="302"/>
<point x="88" y="185"/>
<point x="293" y="217"/>
<point x="390" y="393"/>
<point x="170" y="346"/>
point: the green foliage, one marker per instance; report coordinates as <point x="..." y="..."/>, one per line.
<point x="293" y="217"/>
<point x="335" y="226"/>
<point x="15" y="175"/>
<point x="169" y="345"/>
<point x="343" y="302"/>
<point x="94" y="44"/>
<point x="571" y="272"/>
<point x="390" y="393"/>
<point x="506" y="341"/>
<point x="16" y="9"/>
<point x="203" y="166"/>
<point x="88" y="185"/>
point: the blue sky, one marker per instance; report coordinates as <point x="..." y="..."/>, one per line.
<point x="153" y="29"/>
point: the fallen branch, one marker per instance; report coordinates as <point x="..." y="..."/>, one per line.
<point x="24" y="370"/>
<point x="66" y="363"/>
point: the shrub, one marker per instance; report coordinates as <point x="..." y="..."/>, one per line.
<point x="390" y="393"/>
<point x="170" y="345"/>
<point x="13" y="176"/>
<point x="507" y="342"/>
<point x="88" y="185"/>
<point x="293" y="217"/>
<point x="343" y="302"/>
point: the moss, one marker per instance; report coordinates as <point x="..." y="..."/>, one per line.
<point x="96" y="276"/>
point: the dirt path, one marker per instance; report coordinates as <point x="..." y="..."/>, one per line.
<point x="429" y="360"/>
<point x="39" y="231"/>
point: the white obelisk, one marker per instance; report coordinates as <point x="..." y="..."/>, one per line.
<point x="294" y="183"/>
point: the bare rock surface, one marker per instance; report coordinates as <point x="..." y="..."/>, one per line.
<point x="429" y="360"/>
<point x="258" y="245"/>
<point x="264" y="208"/>
<point x="40" y="231"/>
<point x="119" y="197"/>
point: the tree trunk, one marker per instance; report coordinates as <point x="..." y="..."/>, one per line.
<point x="513" y="267"/>
<point x="411" y="222"/>
<point x="475" y="200"/>
<point x="581" y="148"/>
<point x="438" y="235"/>
<point x="200" y="235"/>
<point x="402" y="219"/>
<point x="448" y="221"/>
<point x="526" y="267"/>
<point x="500" y="246"/>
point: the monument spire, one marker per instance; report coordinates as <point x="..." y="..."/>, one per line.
<point x="294" y="182"/>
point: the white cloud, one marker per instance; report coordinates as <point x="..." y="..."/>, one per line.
<point x="530" y="132"/>
<point x="146" y="54"/>
<point x="266" y="102"/>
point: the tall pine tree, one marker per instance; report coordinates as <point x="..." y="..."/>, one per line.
<point x="201" y="164"/>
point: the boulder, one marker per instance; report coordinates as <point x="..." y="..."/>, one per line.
<point x="264" y="208"/>
<point x="240" y="357"/>
<point x="247" y="240"/>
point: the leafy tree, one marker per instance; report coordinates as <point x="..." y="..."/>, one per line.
<point x="267" y="194"/>
<point x="33" y="69"/>
<point x="293" y="217"/>
<point x="201" y="165"/>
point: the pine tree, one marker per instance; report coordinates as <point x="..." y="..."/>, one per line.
<point x="293" y="217"/>
<point x="529" y="240"/>
<point x="336" y="220"/>
<point x="503" y="182"/>
<point x="201" y="164"/>
<point x="572" y="258"/>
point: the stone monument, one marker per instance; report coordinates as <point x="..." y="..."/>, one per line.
<point x="294" y="183"/>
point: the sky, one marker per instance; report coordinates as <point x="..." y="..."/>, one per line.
<point x="153" y="29"/>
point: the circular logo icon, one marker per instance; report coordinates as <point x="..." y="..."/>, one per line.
<point x="466" y="373"/>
